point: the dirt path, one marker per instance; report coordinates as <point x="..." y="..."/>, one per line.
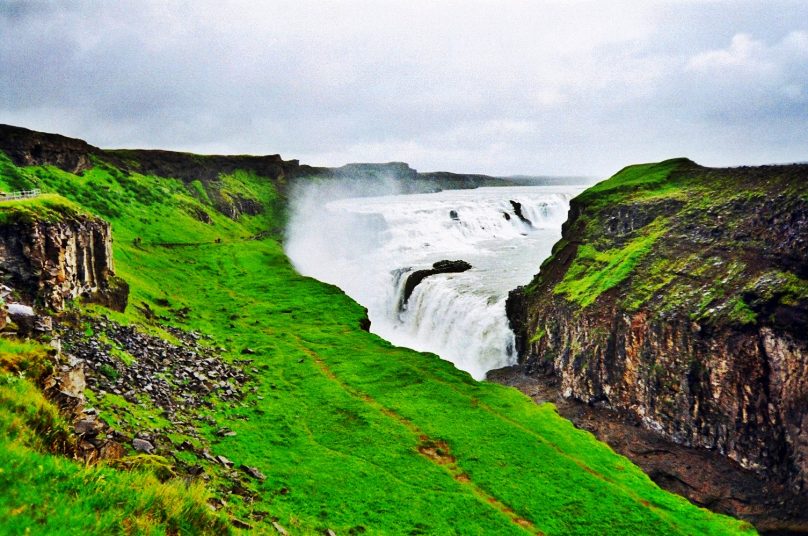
<point x="436" y="451"/>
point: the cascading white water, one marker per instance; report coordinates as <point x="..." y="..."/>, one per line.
<point x="368" y="246"/>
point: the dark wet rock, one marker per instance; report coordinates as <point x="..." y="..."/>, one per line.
<point x="224" y="461"/>
<point x="216" y="504"/>
<point x="111" y="450"/>
<point x="28" y="148"/>
<point x="517" y="209"/>
<point x="88" y="427"/>
<point x="240" y="489"/>
<point x="175" y="378"/>
<point x="196" y="470"/>
<point x="453" y="215"/>
<point x="43" y="324"/>
<point x="253" y="472"/>
<point x="440" y="267"/>
<point x="200" y="214"/>
<point x="114" y="295"/>
<point x="248" y="351"/>
<point x="66" y="387"/>
<point x="364" y="322"/>
<point x="705" y="477"/>
<point x="23" y="317"/>
<point x="506" y="216"/>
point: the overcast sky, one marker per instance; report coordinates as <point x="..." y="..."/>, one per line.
<point x="499" y="87"/>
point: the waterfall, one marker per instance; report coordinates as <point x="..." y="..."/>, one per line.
<point x="368" y="246"/>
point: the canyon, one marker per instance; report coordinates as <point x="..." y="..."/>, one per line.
<point x="307" y="403"/>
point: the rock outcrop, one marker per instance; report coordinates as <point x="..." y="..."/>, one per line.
<point x="517" y="209"/>
<point x="678" y="294"/>
<point x="28" y="148"/>
<point x="440" y="267"/>
<point x="49" y="262"/>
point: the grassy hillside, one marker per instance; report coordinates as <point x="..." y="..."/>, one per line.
<point x="691" y="220"/>
<point x="353" y="435"/>
<point x="42" y="492"/>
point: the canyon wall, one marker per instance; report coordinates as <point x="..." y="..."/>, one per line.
<point x="50" y="262"/>
<point x="678" y="293"/>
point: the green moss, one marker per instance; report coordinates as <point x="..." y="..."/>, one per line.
<point x="47" y="494"/>
<point x="28" y="358"/>
<point x="26" y="417"/>
<point x="122" y="415"/>
<point x="717" y="299"/>
<point x="44" y="494"/>
<point x="198" y="189"/>
<point x="540" y="333"/>
<point x="741" y="313"/>
<point x="656" y="276"/>
<point x="785" y="287"/>
<point x="12" y="178"/>
<point x="593" y="272"/>
<point x="109" y="372"/>
<point x="149" y="463"/>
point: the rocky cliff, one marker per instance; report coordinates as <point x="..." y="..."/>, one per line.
<point x="49" y="260"/>
<point x="679" y="294"/>
<point x="26" y="147"/>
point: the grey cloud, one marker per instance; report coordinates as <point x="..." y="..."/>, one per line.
<point x="497" y="87"/>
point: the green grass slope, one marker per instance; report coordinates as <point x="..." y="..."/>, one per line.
<point x="42" y="493"/>
<point x="353" y="434"/>
<point x="679" y="199"/>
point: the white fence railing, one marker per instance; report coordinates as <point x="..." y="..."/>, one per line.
<point x="22" y="194"/>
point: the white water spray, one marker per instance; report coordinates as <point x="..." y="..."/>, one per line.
<point x="368" y="246"/>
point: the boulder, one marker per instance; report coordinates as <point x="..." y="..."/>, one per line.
<point x="440" y="267"/>
<point x="66" y="387"/>
<point x="23" y="317"/>
<point x="253" y="472"/>
<point x="141" y="445"/>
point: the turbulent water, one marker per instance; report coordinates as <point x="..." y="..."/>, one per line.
<point x="369" y="245"/>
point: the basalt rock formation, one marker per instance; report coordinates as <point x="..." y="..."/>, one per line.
<point x="678" y="294"/>
<point x="49" y="262"/>
<point x="440" y="267"/>
<point x="28" y="148"/>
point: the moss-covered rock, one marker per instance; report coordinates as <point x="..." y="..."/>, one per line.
<point x="679" y="293"/>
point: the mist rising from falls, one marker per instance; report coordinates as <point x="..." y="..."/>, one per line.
<point x="368" y="246"/>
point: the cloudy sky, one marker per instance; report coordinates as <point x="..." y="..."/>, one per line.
<point x="499" y="87"/>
